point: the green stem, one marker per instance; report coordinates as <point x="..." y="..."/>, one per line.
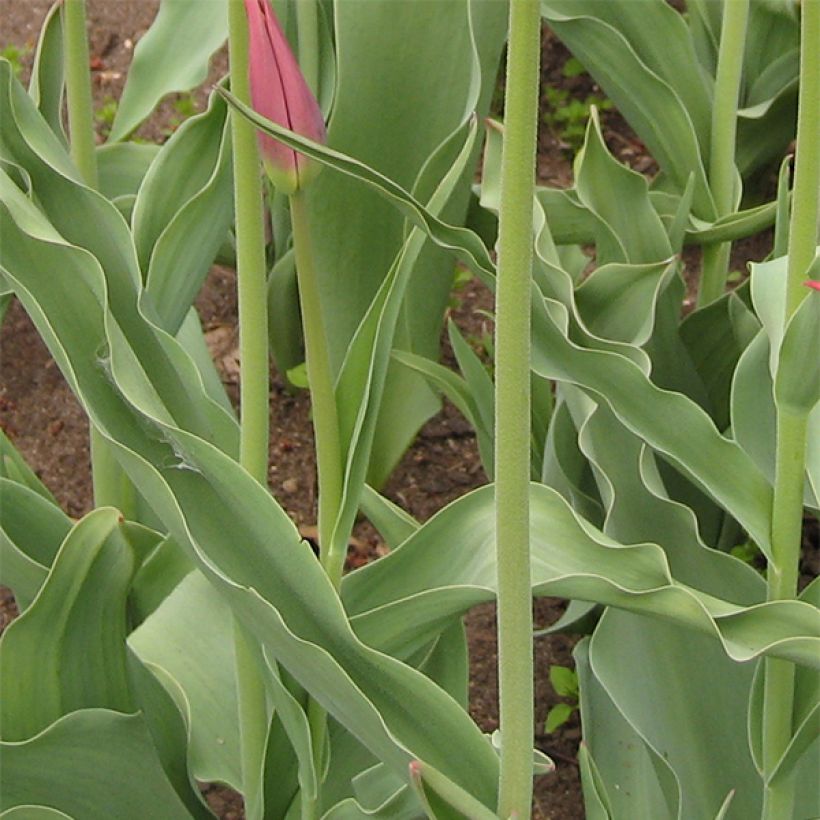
<point x="722" y="147"/>
<point x="254" y="389"/>
<point x="792" y="428"/>
<point x="250" y="264"/>
<point x="322" y="394"/>
<point x="512" y="410"/>
<point x="307" y="18"/>
<point x="253" y="722"/>
<point x="78" y="91"/>
<point x="325" y="427"/>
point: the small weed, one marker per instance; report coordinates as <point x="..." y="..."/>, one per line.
<point x="15" y="55"/>
<point x="750" y="554"/>
<point x="105" y="114"/>
<point x="184" y="107"/>
<point x="567" y="116"/>
<point x="565" y="683"/>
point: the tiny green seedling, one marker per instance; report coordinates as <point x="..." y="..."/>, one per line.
<point x="565" y="683"/>
<point x="105" y="115"/>
<point x="567" y="116"/>
<point x="15" y="55"/>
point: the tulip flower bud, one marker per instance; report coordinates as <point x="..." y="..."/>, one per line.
<point x="280" y="93"/>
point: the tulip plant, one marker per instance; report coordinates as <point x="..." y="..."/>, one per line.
<point x="183" y="631"/>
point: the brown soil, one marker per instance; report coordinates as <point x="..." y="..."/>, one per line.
<point x="41" y="416"/>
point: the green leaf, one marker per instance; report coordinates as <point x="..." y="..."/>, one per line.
<point x="122" y="167"/>
<point x="448" y="236"/>
<point x="31" y="531"/>
<point x="796" y="386"/>
<point x="630" y="228"/>
<point x="669" y="422"/>
<point x="557" y="716"/>
<point x="46" y="84"/>
<point x="621" y="775"/>
<point x="164" y="61"/>
<point x="183" y="212"/>
<point x="66" y="651"/>
<point x="93" y="764"/>
<point x="188" y="643"/>
<point x="564" y="681"/>
<point x="640" y="663"/>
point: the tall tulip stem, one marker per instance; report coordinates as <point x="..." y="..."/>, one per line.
<point x="78" y="91"/>
<point x="322" y="394"/>
<point x="254" y="388"/>
<point x="792" y="428"/>
<point x="512" y="410"/>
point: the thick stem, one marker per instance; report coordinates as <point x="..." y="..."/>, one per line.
<point x="792" y="428"/>
<point x="78" y="91"/>
<point x="322" y="395"/>
<point x="512" y="410"/>
<point x="722" y="147"/>
<point x="250" y="263"/>
<point x="253" y="351"/>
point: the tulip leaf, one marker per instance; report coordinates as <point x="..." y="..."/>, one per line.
<point x="92" y="763"/>
<point x="183" y="212"/>
<point x="448" y="236"/>
<point x="31" y="531"/>
<point x="47" y="82"/>
<point x="172" y="56"/>
<point x="52" y="664"/>
<point x="675" y="426"/>
<point x="797" y="387"/>
<point x="188" y="643"/>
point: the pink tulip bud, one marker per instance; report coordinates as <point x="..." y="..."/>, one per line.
<point x="812" y="283"/>
<point x="280" y="93"/>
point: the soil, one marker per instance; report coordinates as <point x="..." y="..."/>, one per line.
<point x="41" y="416"/>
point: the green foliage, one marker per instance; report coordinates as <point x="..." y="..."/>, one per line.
<point x="15" y="55"/>
<point x="565" y="683"/>
<point x="105" y="114"/>
<point x="567" y="116"/>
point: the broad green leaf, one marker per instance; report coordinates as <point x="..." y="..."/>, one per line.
<point x="596" y="802"/>
<point x="630" y="228"/>
<point x="363" y="379"/>
<point x="416" y="586"/>
<point x="392" y="522"/>
<point x="31" y="531"/>
<point x="14" y="467"/>
<point x="33" y="813"/>
<point x="167" y="727"/>
<point x="183" y="211"/>
<point x="623" y="777"/>
<point x="94" y="764"/>
<point x="166" y="61"/>
<point x="122" y="167"/>
<point x="676" y="689"/>
<point x="715" y="337"/>
<point x="617" y="301"/>
<point x="448" y="236"/>
<point x="66" y="651"/>
<point x="732" y="226"/>
<point x="797" y="384"/>
<point x="669" y="422"/>
<point x="46" y="84"/>
<point x="188" y="640"/>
